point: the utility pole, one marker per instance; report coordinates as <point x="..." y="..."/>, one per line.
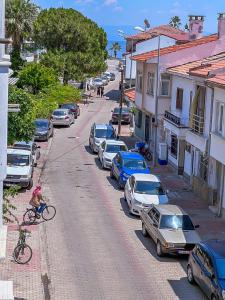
<point x="131" y="61"/>
<point x="121" y="101"/>
<point x="156" y="107"/>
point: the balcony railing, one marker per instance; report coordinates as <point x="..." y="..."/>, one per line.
<point x="197" y="124"/>
<point x="174" y="119"/>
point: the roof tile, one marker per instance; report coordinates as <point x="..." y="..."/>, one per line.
<point x="130" y="93"/>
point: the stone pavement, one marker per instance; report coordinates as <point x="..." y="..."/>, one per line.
<point x="180" y="193"/>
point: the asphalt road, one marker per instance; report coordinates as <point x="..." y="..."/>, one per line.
<point x="95" y="249"/>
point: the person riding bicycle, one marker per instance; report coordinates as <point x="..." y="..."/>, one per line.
<point x="37" y="200"/>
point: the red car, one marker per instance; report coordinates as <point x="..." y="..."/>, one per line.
<point x="125" y="117"/>
<point x="73" y="107"/>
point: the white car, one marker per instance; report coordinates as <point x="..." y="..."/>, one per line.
<point x="98" y="82"/>
<point x="143" y="190"/>
<point x="108" y="150"/>
<point x="19" y="168"/>
<point x="62" y="116"/>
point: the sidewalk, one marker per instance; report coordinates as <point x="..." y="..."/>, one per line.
<point x="180" y="193"/>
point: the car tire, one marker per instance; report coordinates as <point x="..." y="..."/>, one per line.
<point x="144" y="231"/>
<point x="159" y="250"/>
<point x="190" y="275"/>
<point x="30" y="185"/>
<point x="124" y="196"/>
<point x="111" y="174"/>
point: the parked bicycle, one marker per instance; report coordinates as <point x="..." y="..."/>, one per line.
<point x="31" y="215"/>
<point x="22" y="253"/>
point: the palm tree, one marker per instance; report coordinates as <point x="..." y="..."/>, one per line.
<point x="175" y="22"/>
<point x="115" y="48"/>
<point x="20" y="16"/>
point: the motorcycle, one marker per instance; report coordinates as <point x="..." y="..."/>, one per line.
<point x="143" y="149"/>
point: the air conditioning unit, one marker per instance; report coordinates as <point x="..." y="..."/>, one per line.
<point x="163" y="154"/>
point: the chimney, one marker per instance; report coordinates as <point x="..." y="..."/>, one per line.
<point x="221" y="25"/>
<point x="195" y="27"/>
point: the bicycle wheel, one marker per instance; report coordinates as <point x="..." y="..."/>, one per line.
<point x="29" y="217"/>
<point x="48" y="213"/>
<point x="22" y="254"/>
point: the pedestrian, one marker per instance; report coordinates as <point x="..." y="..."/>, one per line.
<point x="37" y="200"/>
<point x="102" y="91"/>
<point x="98" y="91"/>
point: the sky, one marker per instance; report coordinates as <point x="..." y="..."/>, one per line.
<point x="125" y="14"/>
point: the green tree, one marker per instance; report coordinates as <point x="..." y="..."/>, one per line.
<point x="20" y="15"/>
<point x="34" y="77"/>
<point x="21" y="124"/>
<point x="115" y="48"/>
<point x="76" y="46"/>
<point x="175" y="22"/>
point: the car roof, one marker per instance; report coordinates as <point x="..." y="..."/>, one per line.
<point x="103" y="126"/>
<point x="18" y="151"/>
<point x="62" y="109"/>
<point x="22" y="143"/>
<point x="146" y="177"/>
<point x="216" y="247"/>
<point x="127" y="154"/>
<point x="115" y="142"/>
<point x="169" y="209"/>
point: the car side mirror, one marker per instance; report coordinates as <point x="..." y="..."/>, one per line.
<point x="197" y="226"/>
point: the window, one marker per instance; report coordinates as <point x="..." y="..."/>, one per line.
<point x="138" y="120"/>
<point x="139" y="81"/>
<point x="174" y="145"/>
<point x="203" y="167"/>
<point x="165" y="85"/>
<point x="220" y="120"/>
<point x="150" y="83"/>
<point x="179" y="100"/>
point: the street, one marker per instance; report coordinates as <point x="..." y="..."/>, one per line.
<point x="94" y="248"/>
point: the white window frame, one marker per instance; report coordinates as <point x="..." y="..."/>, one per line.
<point x="220" y="106"/>
<point x="139" y="81"/>
<point x="165" y="80"/>
<point x="151" y="83"/>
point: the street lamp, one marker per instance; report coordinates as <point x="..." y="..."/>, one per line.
<point x="139" y="28"/>
<point x="121" y="101"/>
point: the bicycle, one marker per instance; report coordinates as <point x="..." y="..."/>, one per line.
<point x="22" y="253"/>
<point x="31" y="215"/>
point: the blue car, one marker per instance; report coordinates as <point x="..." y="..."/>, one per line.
<point x="126" y="164"/>
<point x="206" y="267"/>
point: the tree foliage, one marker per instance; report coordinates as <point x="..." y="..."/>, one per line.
<point x="21" y="124"/>
<point x="175" y="22"/>
<point x="34" y="77"/>
<point x="115" y="48"/>
<point x="8" y="207"/>
<point x="75" y="44"/>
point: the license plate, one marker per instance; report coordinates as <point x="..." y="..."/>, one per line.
<point x="183" y="252"/>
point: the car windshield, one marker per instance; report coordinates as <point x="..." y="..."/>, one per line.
<point x="59" y="113"/>
<point x="220" y="265"/>
<point x="41" y="124"/>
<point x="124" y="110"/>
<point x="22" y="146"/>
<point x="176" y="222"/>
<point x="149" y="188"/>
<point x="17" y="160"/>
<point x="104" y="133"/>
<point x="115" y="148"/>
<point x="69" y="106"/>
<point x="97" y="80"/>
<point x="138" y="164"/>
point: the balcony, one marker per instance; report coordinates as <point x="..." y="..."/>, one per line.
<point x="173" y="119"/>
<point x="197" y="124"/>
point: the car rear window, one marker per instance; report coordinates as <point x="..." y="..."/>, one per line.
<point x="104" y="133"/>
<point x="59" y="113"/>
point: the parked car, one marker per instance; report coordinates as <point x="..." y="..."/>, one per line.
<point x="19" y="168"/>
<point x="43" y="130"/>
<point x="126" y="164"/>
<point x="99" y="133"/>
<point x="111" y="76"/>
<point x="108" y="150"/>
<point x="143" y="190"/>
<point x="97" y="82"/>
<point x="125" y="116"/>
<point x="206" y="267"/>
<point x="171" y="229"/>
<point x="62" y="117"/>
<point x="105" y="80"/>
<point x="30" y="146"/>
<point x="74" y="107"/>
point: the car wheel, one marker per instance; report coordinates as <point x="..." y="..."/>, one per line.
<point x="190" y="275"/>
<point x="30" y="185"/>
<point x="159" y="250"/>
<point x="144" y="231"/>
<point x="124" y="196"/>
<point x="111" y="174"/>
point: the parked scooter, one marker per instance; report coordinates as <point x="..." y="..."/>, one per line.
<point x="143" y="149"/>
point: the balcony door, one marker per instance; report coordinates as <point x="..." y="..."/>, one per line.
<point x="147" y="128"/>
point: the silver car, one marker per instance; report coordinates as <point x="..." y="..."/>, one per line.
<point x="171" y="229"/>
<point x="64" y="117"/>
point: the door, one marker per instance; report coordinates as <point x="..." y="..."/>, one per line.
<point x="147" y="128"/>
<point x="130" y="190"/>
<point x="152" y="223"/>
<point x="198" y="263"/>
<point x="101" y="150"/>
<point x="206" y="274"/>
<point x="117" y="166"/>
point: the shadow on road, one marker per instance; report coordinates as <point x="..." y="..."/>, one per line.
<point x="113" y="95"/>
<point x="87" y="148"/>
<point x="125" y="209"/>
<point x="113" y="182"/>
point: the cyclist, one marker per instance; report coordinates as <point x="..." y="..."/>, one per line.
<point x="37" y="200"/>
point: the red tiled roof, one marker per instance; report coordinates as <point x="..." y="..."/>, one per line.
<point x="203" y="70"/>
<point x="130" y="93"/>
<point x="148" y="55"/>
<point x="166" y="30"/>
<point x="218" y="80"/>
<point x="185" y="68"/>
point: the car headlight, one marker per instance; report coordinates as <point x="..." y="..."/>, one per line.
<point x="169" y="245"/>
<point x="107" y="160"/>
<point x="223" y="294"/>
